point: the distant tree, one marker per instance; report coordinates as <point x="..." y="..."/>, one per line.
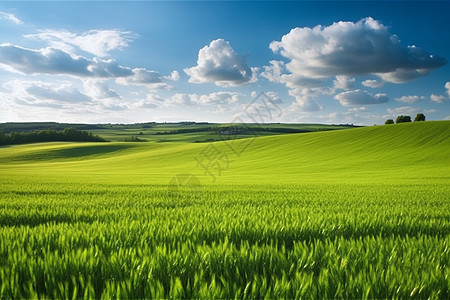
<point x="420" y="117"/>
<point x="403" y="119"/>
<point x="72" y="134"/>
<point x="389" y="121"/>
<point x="134" y="139"/>
<point x="49" y="135"/>
<point x="148" y="125"/>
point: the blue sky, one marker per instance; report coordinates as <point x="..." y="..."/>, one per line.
<point x="126" y="62"/>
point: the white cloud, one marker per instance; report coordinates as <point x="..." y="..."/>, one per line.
<point x="107" y="69"/>
<point x="297" y="112"/>
<point x="344" y="50"/>
<point x="214" y="99"/>
<point x="447" y="87"/>
<point x="359" y="97"/>
<point x="53" y="61"/>
<point x="355" y="115"/>
<point x="49" y="61"/>
<point x="87" y="96"/>
<point x="62" y="99"/>
<point x="97" y="42"/>
<point x="142" y="75"/>
<point x="220" y="64"/>
<point x="178" y="99"/>
<point x="111" y="104"/>
<point x="347" y="48"/>
<point x="333" y="115"/>
<point x="148" y="78"/>
<point x="10" y="17"/>
<point x="151" y="101"/>
<point x="276" y="73"/>
<point x="437" y="98"/>
<point x="62" y="92"/>
<point x="344" y="82"/>
<point x="372" y="83"/>
<point x="415" y="98"/>
<point x="98" y="89"/>
<point x="57" y="94"/>
<point x="410" y="99"/>
<point x="356" y="109"/>
<point x="271" y="94"/>
<point x="403" y="110"/>
<point x="174" y="76"/>
<point x="306" y="99"/>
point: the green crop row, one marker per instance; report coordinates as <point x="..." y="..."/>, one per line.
<point x="358" y="213"/>
<point x="345" y="241"/>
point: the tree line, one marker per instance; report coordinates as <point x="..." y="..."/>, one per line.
<point x="36" y="126"/>
<point x="405" y="119"/>
<point x="48" y="135"/>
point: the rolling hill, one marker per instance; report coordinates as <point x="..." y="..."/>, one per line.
<point x="412" y="150"/>
<point x="357" y="213"/>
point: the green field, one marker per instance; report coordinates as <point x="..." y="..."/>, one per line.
<point x="203" y="132"/>
<point x="175" y="132"/>
<point x="355" y="213"/>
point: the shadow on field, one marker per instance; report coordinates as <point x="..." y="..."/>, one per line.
<point x="75" y="152"/>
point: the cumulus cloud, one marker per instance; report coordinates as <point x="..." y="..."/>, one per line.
<point x="214" y="99"/>
<point x="57" y="62"/>
<point x="306" y="99"/>
<point x="62" y="92"/>
<point x="357" y="109"/>
<point x="405" y="75"/>
<point x="148" y="78"/>
<point x="97" y="42"/>
<point x="38" y="93"/>
<point x="410" y="99"/>
<point x="219" y="63"/>
<point x="54" y="61"/>
<point x="174" y="76"/>
<point x="437" y="98"/>
<point x="415" y="98"/>
<point x="271" y="94"/>
<point x="403" y="110"/>
<point x="143" y="76"/>
<point x="10" y="17"/>
<point x="344" y="82"/>
<point x="344" y="50"/>
<point x="99" y="89"/>
<point x="275" y="72"/>
<point x="151" y="101"/>
<point x="44" y="61"/>
<point x="87" y="96"/>
<point x="372" y="83"/>
<point x="107" y="69"/>
<point x="359" y="97"/>
<point x="447" y="87"/>
<point x="347" y="48"/>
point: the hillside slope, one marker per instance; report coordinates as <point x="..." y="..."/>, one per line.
<point x="402" y="151"/>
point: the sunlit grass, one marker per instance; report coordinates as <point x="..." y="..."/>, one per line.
<point x="360" y="213"/>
